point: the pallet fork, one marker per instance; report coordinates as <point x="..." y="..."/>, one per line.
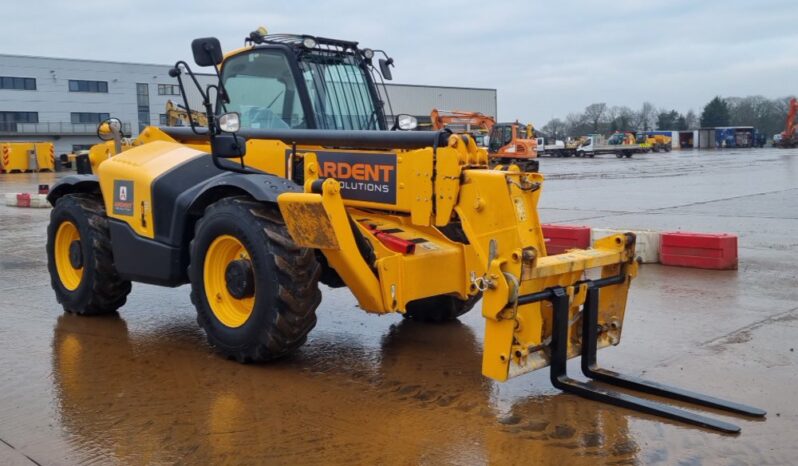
<point x="559" y="300"/>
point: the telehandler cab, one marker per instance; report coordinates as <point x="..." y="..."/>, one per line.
<point x="298" y="180"/>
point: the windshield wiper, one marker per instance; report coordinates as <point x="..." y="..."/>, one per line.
<point x="269" y="107"/>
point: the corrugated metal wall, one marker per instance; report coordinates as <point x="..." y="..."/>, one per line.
<point x="420" y="100"/>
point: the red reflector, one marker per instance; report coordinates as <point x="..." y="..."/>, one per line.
<point x="394" y="243"/>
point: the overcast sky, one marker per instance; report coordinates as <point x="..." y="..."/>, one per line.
<point x="545" y="58"/>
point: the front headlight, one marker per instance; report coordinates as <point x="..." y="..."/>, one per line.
<point x="230" y="122"/>
<point x="309" y="43"/>
<point x="406" y="122"/>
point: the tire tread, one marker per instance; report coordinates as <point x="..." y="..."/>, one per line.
<point x="297" y="296"/>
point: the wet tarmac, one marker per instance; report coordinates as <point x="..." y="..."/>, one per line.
<point x="144" y="388"/>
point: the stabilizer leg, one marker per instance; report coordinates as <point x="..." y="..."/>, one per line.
<point x="590" y="369"/>
<point x="560" y="379"/>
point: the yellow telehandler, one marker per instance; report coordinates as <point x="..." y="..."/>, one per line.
<point x="299" y="179"/>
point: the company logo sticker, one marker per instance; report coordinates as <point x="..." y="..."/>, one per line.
<point x="123" y="197"/>
<point x="363" y="176"/>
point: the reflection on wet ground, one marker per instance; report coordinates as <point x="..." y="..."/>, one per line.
<point x="142" y="387"/>
<point x="144" y="400"/>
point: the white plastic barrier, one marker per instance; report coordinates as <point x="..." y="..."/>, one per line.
<point x="646" y="247"/>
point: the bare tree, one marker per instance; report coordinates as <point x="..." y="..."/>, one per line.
<point x="691" y="120"/>
<point x="555" y="128"/>
<point x="612" y="113"/>
<point x="645" y="117"/>
<point x="576" y="124"/>
<point x="594" y="114"/>
<point x="620" y="118"/>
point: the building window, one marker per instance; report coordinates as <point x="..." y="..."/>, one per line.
<point x="77" y="147"/>
<point x="17" y="84"/>
<point x="163" y="120"/>
<point x="19" y="117"/>
<point x="76" y="85"/>
<point x="9" y="120"/>
<point x="143" y="102"/>
<point x="88" y="117"/>
<point x="168" y="89"/>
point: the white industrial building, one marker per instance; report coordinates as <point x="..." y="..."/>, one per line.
<point x="62" y="100"/>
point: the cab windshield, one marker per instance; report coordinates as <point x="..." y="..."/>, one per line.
<point x="263" y="90"/>
<point x="340" y="92"/>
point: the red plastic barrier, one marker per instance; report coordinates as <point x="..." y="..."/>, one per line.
<point x="699" y="250"/>
<point x="23" y="200"/>
<point x="559" y="238"/>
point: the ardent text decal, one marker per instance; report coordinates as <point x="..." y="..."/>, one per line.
<point x="363" y="176"/>
<point x="123" y="197"/>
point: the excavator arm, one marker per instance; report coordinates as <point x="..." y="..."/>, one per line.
<point x="470" y="121"/>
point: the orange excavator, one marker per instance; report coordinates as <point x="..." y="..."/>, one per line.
<point x="789" y="138"/>
<point x="514" y="143"/>
<point x="507" y="143"/>
<point x="476" y="124"/>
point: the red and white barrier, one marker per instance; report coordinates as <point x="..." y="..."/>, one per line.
<point x="716" y="251"/>
<point x="33" y="200"/>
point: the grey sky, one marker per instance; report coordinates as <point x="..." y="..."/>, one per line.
<point x="545" y="58"/>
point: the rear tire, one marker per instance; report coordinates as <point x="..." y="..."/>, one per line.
<point x="274" y="317"/>
<point x="438" y="309"/>
<point x="80" y="259"/>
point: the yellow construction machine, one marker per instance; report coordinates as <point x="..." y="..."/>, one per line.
<point x="110" y="132"/>
<point x="178" y="115"/>
<point x="297" y="180"/>
<point x="655" y="142"/>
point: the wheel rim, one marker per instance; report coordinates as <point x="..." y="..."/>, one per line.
<point x="69" y="275"/>
<point x="230" y="311"/>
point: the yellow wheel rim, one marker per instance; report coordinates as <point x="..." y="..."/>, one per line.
<point x="230" y="311"/>
<point x="70" y="276"/>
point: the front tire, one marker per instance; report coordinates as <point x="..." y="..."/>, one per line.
<point x="255" y="291"/>
<point x="80" y="259"/>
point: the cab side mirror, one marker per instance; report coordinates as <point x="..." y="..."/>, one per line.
<point x="207" y="51"/>
<point x="385" y="68"/>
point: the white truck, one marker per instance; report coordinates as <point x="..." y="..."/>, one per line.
<point x="596" y="144"/>
<point x="552" y="148"/>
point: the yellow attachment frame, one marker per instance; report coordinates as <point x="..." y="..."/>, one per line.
<point x="503" y="256"/>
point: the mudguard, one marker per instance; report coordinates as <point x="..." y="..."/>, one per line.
<point x="73" y="184"/>
<point x="262" y="187"/>
<point x="172" y="218"/>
